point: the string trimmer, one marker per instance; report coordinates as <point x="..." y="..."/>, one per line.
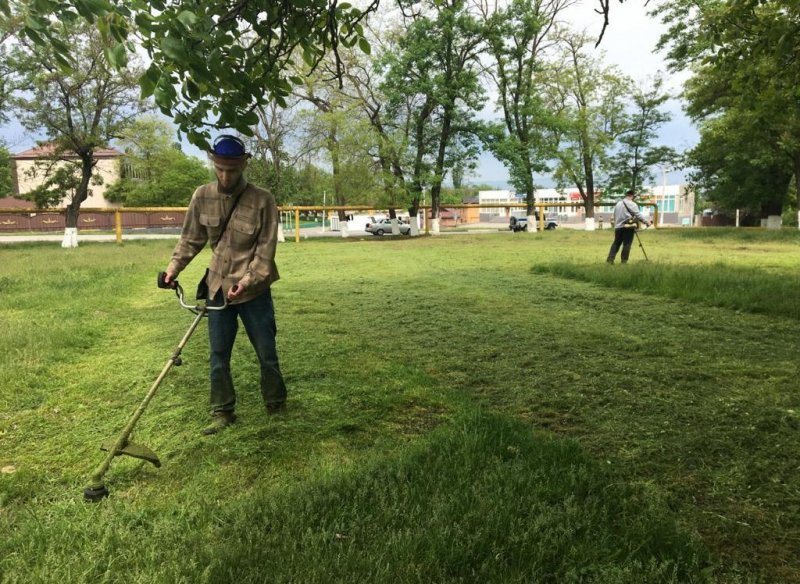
<point x="636" y="231"/>
<point x="121" y="445"/>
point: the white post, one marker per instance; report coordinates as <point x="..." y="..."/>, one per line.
<point x="590" y="224"/>
<point x="414" y="223"/>
<point x="324" y="204"/>
<point x="70" y="237"/>
<point x="395" y="227"/>
<point x="663" y="194"/>
<point x="774" y="222"/>
<point x="435" y="226"/>
<point x="281" y="237"/>
<point x="343" y="229"/>
<point x="737" y="217"/>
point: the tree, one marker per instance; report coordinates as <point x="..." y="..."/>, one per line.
<point x="273" y="164"/>
<point x="9" y="28"/>
<point x="519" y="37"/>
<point x="61" y="180"/>
<point x="212" y="63"/>
<point x="79" y="111"/>
<point x="631" y="166"/>
<point x="155" y="172"/>
<point x="336" y="128"/>
<point x="587" y="106"/>
<point x="737" y="166"/>
<point x="6" y="182"/>
<point x="744" y="61"/>
<point x="432" y="82"/>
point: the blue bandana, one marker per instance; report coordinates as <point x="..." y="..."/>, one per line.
<point x="228" y="147"/>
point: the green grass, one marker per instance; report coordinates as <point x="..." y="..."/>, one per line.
<point x="492" y="408"/>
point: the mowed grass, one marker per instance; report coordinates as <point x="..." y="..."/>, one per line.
<point x="471" y="408"/>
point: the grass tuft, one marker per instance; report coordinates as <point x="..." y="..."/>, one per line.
<point x="719" y="284"/>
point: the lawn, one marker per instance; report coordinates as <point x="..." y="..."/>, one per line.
<point x="463" y="408"/>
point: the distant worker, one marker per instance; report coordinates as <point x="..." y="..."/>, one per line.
<point x="626" y="219"/>
<point x="240" y="221"/>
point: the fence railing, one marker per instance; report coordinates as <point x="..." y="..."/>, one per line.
<point x="119" y="219"/>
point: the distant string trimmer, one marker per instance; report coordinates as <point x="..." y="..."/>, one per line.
<point x="636" y="231"/>
<point x="121" y="445"/>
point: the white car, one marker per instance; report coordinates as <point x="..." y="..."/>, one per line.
<point x="383" y="226"/>
<point x="521" y="223"/>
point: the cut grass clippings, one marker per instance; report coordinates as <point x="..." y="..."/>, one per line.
<point x="614" y="427"/>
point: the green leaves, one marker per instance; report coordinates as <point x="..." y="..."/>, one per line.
<point x="117" y="56"/>
<point x="173" y="48"/>
<point x="187" y="18"/>
<point x="227" y="68"/>
<point x="91" y="9"/>
<point x="149" y="80"/>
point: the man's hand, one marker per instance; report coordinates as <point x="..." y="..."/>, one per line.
<point x="236" y="291"/>
<point x="169" y="279"/>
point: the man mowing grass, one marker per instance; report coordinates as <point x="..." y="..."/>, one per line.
<point x="241" y="223"/>
<point x="626" y="216"/>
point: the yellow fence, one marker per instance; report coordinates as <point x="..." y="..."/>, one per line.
<point x="51" y="219"/>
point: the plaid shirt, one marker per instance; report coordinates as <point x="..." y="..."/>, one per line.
<point x="246" y="252"/>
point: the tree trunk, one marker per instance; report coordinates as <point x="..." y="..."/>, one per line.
<point x="797" y="184"/>
<point x="438" y="175"/>
<point x="338" y="196"/>
<point x="771" y="212"/>
<point x="530" y="197"/>
<point x="589" y="195"/>
<point x="416" y="182"/>
<point x="413" y="210"/>
<point x="72" y="211"/>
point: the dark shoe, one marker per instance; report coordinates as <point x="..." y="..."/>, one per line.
<point x="276" y="408"/>
<point x="219" y="421"/>
<point x="610" y="261"/>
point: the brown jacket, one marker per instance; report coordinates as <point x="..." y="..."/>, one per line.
<point x="246" y="252"/>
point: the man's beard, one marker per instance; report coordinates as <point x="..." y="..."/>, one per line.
<point x="228" y="190"/>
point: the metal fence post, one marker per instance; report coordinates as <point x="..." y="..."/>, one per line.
<point x="118" y="225"/>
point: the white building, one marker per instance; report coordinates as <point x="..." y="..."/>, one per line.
<point x="675" y="203"/>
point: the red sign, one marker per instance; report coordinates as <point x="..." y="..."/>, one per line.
<point x="574" y="196"/>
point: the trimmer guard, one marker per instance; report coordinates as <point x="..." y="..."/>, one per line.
<point x="134" y="450"/>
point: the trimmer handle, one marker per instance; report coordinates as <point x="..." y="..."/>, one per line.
<point x="196" y="308"/>
<point x="161" y="282"/>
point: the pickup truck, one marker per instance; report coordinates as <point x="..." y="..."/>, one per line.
<point x="521" y="223"/>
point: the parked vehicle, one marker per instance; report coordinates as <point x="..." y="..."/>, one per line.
<point x="521" y="223"/>
<point x="385" y="226"/>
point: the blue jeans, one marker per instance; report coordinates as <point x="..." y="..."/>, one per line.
<point x="258" y="317"/>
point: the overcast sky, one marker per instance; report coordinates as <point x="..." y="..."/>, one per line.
<point x="629" y="43"/>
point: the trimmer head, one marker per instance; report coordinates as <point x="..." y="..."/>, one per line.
<point x="95" y="494"/>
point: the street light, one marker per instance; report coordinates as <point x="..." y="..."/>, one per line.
<point x="664" y="168"/>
